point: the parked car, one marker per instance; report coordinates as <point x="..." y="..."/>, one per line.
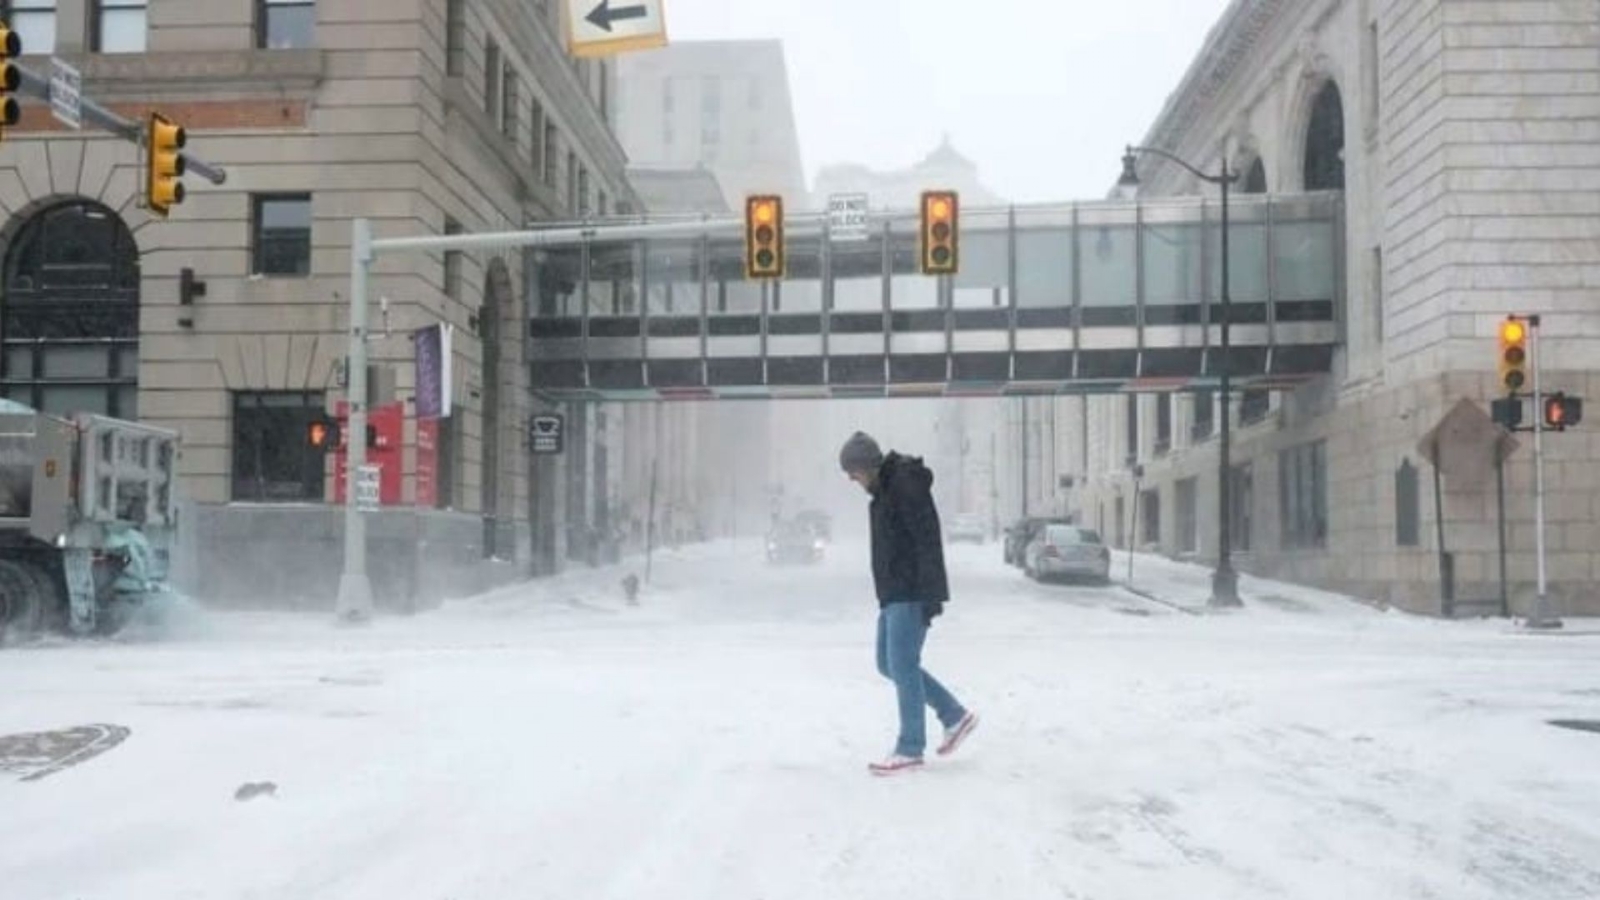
<point x="793" y="542"/>
<point x="1021" y="534"/>
<point x="967" y="527"/>
<point x="1067" y="551"/>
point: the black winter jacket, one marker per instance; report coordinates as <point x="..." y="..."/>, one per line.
<point x="907" y="547"/>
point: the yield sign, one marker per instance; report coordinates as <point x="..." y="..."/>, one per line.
<point x="606" y="27"/>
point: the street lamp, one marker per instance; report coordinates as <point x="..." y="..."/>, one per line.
<point x="1225" y="581"/>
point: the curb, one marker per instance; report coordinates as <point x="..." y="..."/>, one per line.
<point x="1140" y="592"/>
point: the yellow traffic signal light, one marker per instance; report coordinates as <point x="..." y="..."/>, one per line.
<point x="763" y="237"/>
<point x="941" y="233"/>
<point x="164" y="140"/>
<point x="10" y="78"/>
<point x="1513" y="354"/>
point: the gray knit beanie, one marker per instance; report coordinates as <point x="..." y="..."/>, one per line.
<point x="860" y="453"/>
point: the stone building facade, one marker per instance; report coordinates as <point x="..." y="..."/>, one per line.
<point x="1466" y="139"/>
<point x="425" y="116"/>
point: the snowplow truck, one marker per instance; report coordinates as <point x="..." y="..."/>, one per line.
<point x="87" y="520"/>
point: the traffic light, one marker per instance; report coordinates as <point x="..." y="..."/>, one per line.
<point x="1507" y="413"/>
<point x="1562" y="412"/>
<point x="323" y="434"/>
<point x="763" y="237"/>
<point x="941" y="232"/>
<point x="164" y="140"/>
<point x="10" y="78"/>
<point x="1513" y="354"/>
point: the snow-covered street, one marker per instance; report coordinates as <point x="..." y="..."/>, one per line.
<point x="550" y="741"/>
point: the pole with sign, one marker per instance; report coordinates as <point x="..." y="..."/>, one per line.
<point x="66" y="94"/>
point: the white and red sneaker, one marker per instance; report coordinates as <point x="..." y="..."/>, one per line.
<point x="954" y="735"/>
<point x="895" y="765"/>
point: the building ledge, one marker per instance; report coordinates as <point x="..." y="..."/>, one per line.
<point x="110" y="77"/>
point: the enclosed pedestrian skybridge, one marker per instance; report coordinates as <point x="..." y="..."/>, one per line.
<point x="1081" y="298"/>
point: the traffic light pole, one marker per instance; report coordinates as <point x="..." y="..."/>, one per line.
<point x="38" y="86"/>
<point x="1542" y="616"/>
<point x="355" y="588"/>
<point x="354" y="604"/>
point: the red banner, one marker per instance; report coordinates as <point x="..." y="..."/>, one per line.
<point x="427" y="463"/>
<point x="388" y="423"/>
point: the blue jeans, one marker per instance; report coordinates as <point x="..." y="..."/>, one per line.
<point x="901" y="632"/>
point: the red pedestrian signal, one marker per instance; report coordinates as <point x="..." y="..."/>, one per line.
<point x="1562" y="412"/>
<point x="323" y="434"/>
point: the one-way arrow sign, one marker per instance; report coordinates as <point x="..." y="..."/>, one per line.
<point x="607" y="27"/>
<point x="603" y="15"/>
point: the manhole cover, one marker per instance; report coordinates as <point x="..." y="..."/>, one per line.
<point x="35" y="756"/>
<point x="1591" y="725"/>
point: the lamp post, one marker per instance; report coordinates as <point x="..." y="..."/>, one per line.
<point x="1224" y="581"/>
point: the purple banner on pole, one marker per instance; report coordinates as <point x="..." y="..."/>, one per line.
<point x="432" y="346"/>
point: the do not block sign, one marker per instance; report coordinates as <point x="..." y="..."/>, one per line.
<point x="546" y="435"/>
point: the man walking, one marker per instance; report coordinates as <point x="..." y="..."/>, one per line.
<point x="908" y="571"/>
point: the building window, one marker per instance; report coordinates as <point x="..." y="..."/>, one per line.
<point x="120" y="26"/>
<point x="1255" y="180"/>
<point x="286" y="24"/>
<point x="282" y="234"/>
<point x="603" y="73"/>
<point x="491" y="79"/>
<point x="549" y="153"/>
<point x="1241" y="506"/>
<point x="455" y="37"/>
<point x="583" y="191"/>
<point x="1303" y="496"/>
<point x="445" y="468"/>
<point x="272" y="460"/>
<point x="452" y="263"/>
<point x="1131" y="428"/>
<point x="710" y="116"/>
<point x="511" y="98"/>
<point x="1188" y="500"/>
<point x="1122" y="523"/>
<point x="1163" y="423"/>
<point x="70" y="320"/>
<point x="600" y="205"/>
<point x="1407" y="506"/>
<point x="572" y="181"/>
<point x="1370" y="67"/>
<point x="1324" y="162"/>
<point x="536" y="139"/>
<point x="1205" y="415"/>
<point x="1375" y="277"/>
<point x="1254" y="406"/>
<point x="34" y="21"/>
<point x="1150" y="518"/>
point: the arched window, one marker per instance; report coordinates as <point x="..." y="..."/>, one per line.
<point x="69" y="319"/>
<point x="1255" y="178"/>
<point x="1324" y="169"/>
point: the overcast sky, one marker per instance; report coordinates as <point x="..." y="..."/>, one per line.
<point x="1041" y="94"/>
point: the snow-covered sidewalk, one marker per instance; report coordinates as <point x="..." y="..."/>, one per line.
<point x="1188" y="586"/>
